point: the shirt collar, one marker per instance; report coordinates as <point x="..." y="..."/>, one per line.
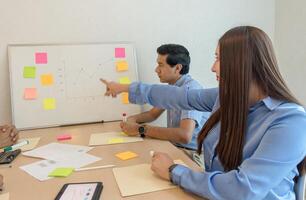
<point x="271" y="103"/>
<point x="181" y="80"/>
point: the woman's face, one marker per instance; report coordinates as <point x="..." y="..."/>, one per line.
<point x="216" y="66"/>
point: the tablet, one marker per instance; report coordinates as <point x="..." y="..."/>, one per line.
<point x="80" y="191"/>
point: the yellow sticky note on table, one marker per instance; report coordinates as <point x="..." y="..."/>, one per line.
<point x="126" y="155"/>
<point x="125" y="98"/>
<point x="46" y="79"/>
<point x="115" y="140"/>
<point x="122" y="66"/>
<point x="124" y="80"/>
<point x="49" y="104"/>
<point x="29" y="72"/>
<point x="61" y="172"/>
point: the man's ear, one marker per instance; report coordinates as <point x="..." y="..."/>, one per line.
<point x="178" y="68"/>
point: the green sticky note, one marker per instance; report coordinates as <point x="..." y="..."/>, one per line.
<point x="49" y="104"/>
<point x="61" y="172"/>
<point x="29" y="72"/>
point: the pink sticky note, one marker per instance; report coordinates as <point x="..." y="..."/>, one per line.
<point x="119" y="52"/>
<point x="63" y="137"/>
<point x="30" y="93"/>
<point x="41" y="58"/>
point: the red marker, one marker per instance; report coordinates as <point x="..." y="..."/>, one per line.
<point x="124" y="117"/>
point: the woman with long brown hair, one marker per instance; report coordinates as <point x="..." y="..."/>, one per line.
<point x="254" y="143"/>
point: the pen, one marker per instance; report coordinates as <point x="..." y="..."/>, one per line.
<point x="16" y="146"/>
<point x="97" y="167"/>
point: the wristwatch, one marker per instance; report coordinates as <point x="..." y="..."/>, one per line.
<point x="142" y="130"/>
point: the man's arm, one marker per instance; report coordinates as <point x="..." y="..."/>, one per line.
<point x="146" y="117"/>
<point x="182" y="134"/>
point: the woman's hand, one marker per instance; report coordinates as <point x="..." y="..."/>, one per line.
<point x="160" y="164"/>
<point x="114" y="88"/>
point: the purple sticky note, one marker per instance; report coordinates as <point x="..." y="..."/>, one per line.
<point x="119" y="52"/>
<point x="41" y="58"/>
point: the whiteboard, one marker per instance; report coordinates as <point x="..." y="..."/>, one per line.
<point x="53" y="85"/>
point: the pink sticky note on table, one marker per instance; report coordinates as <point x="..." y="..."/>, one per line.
<point x="119" y="52"/>
<point x="30" y="93"/>
<point x="63" y="137"/>
<point x="41" y="58"/>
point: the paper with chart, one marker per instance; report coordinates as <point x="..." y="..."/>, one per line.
<point x="48" y="83"/>
<point x="112" y="138"/>
<point x="41" y="169"/>
<point x="143" y="178"/>
<point x="57" y="151"/>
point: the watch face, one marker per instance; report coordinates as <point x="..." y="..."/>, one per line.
<point x="141" y="129"/>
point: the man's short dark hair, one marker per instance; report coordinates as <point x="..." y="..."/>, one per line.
<point x="177" y="54"/>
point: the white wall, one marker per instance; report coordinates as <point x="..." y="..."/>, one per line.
<point x="197" y="24"/>
<point x="290" y="37"/>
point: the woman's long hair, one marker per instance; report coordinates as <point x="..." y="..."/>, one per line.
<point x="246" y="56"/>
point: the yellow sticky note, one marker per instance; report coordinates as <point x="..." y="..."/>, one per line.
<point x="124" y="80"/>
<point x="61" y="172"/>
<point x="123" y="133"/>
<point x="49" y="104"/>
<point x="46" y="79"/>
<point x="125" y="98"/>
<point x="115" y="140"/>
<point x="122" y="66"/>
<point x="126" y="155"/>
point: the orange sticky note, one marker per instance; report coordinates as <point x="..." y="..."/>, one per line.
<point x="115" y="140"/>
<point x="30" y="94"/>
<point x="126" y="155"/>
<point x="122" y="66"/>
<point x="46" y="79"/>
<point x="125" y="98"/>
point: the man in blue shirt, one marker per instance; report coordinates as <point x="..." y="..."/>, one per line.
<point x="183" y="126"/>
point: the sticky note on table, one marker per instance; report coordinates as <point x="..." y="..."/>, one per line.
<point x="5" y="196"/>
<point x="30" y="94"/>
<point x="46" y="79"/>
<point x="126" y="155"/>
<point x="124" y="80"/>
<point x="119" y="52"/>
<point x="49" y="104"/>
<point x="115" y="140"/>
<point x="61" y="172"/>
<point x="63" y="137"/>
<point x="122" y="66"/>
<point x="29" y="72"/>
<point x="125" y="98"/>
<point x="41" y="58"/>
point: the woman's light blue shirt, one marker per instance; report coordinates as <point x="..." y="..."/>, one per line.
<point x="275" y="143"/>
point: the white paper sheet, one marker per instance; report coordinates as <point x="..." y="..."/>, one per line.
<point x="57" y="151"/>
<point x="42" y="169"/>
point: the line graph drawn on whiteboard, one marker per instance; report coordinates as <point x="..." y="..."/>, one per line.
<point x="82" y="78"/>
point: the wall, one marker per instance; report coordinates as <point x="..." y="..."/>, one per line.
<point x="290" y="40"/>
<point x="197" y="24"/>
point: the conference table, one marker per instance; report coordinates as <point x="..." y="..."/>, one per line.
<point x="22" y="186"/>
